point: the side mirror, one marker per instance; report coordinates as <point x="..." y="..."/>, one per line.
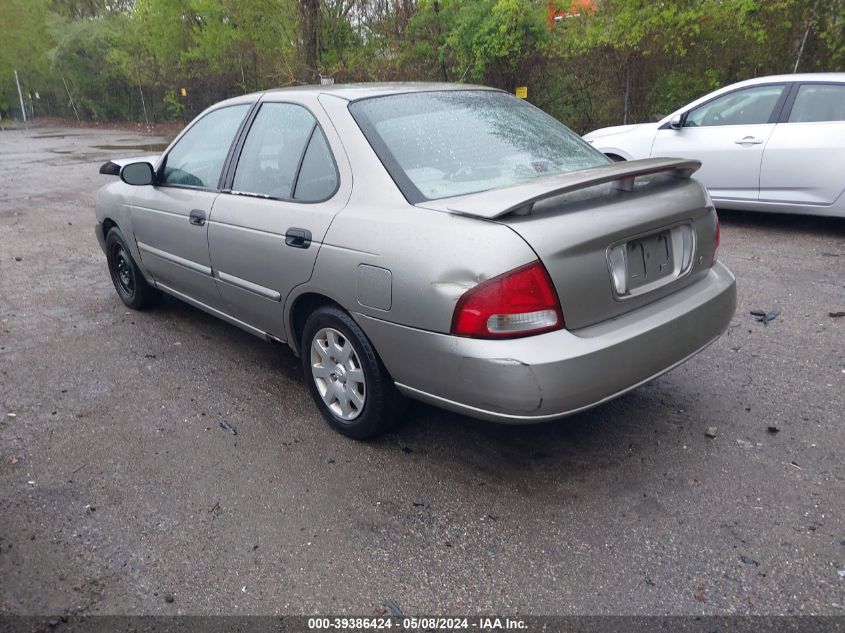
<point x="676" y="122"/>
<point x="138" y="174"/>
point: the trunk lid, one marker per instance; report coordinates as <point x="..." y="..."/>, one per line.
<point x="613" y="238"/>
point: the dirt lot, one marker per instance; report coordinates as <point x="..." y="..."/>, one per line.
<point x="120" y="493"/>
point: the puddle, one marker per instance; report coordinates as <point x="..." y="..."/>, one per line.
<point x="71" y="159"/>
<point x="147" y="147"/>
<point x="54" y="135"/>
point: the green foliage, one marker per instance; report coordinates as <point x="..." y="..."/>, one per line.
<point x="23" y="46"/>
<point x="676" y="88"/>
<point x="496" y="40"/>
<point x="120" y="59"/>
<point x="174" y="105"/>
<point x="84" y="56"/>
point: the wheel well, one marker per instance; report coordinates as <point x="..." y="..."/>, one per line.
<point x="108" y="224"/>
<point x="616" y="158"/>
<point x="302" y="307"/>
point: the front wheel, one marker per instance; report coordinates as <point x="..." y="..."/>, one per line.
<point x="130" y="284"/>
<point x="345" y="376"/>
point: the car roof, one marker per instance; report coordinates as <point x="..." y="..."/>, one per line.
<point x="355" y="91"/>
<point x="796" y="77"/>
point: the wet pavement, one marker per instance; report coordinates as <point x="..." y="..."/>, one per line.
<point x="719" y="488"/>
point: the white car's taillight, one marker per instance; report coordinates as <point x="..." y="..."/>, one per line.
<point x="518" y="303"/>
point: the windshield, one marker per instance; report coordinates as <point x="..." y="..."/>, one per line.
<point x="449" y="143"/>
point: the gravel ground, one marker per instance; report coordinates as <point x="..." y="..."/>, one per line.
<point x="120" y="493"/>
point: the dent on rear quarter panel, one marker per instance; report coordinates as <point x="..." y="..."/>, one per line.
<point x="432" y="257"/>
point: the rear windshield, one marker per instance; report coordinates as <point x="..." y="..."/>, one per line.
<point x="449" y="143"/>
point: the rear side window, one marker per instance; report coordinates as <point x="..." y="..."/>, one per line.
<point x="749" y="106"/>
<point x="197" y="158"/>
<point x="285" y="156"/>
<point x="818" y="102"/>
<point x="317" y="177"/>
<point x="453" y="142"/>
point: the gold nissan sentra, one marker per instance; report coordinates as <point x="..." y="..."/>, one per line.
<point x="447" y="243"/>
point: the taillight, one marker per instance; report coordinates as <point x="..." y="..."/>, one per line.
<point x="518" y="303"/>
<point x="718" y="241"/>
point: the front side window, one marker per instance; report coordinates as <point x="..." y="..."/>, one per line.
<point x="285" y="156"/>
<point x="197" y="158"/>
<point x="818" y="102"/>
<point x="748" y="106"/>
<point x="453" y="142"/>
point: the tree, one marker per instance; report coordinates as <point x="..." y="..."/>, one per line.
<point x="497" y="41"/>
<point x="309" y="15"/>
<point x="627" y="60"/>
<point x="24" y="42"/>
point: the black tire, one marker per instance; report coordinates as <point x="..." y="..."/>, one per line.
<point x="615" y="158"/>
<point x="382" y="403"/>
<point x="130" y="284"/>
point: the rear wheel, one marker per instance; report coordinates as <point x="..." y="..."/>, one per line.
<point x="130" y="284"/>
<point x="345" y="376"/>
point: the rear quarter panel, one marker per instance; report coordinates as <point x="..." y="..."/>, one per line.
<point x="433" y="258"/>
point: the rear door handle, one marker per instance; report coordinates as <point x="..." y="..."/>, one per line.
<point x="298" y="238"/>
<point x="197" y="217"/>
<point x="748" y="140"/>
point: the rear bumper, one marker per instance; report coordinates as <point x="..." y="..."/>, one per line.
<point x="557" y="374"/>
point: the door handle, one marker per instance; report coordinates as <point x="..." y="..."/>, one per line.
<point x="197" y="217"/>
<point x="748" y="140"/>
<point x="298" y="238"/>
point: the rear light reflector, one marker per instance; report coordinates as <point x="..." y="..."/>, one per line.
<point x="718" y="241"/>
<point x="521" y="302"/>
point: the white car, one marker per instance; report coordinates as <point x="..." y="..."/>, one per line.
<point x="767" y="144"/>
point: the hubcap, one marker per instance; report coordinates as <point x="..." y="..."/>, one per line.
<point x="123" y="272"/>
<point x="338" y="374"/>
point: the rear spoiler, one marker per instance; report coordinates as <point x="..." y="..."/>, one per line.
<point x="112" y="167"/>
<point x="521" y="198"/>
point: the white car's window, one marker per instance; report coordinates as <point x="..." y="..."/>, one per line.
<point x="748" y="106"/>
<point x="197" y="158"/>
<point x="273" y="150"/>
<point x="448" y="143"/>
<point x="818" y="102"/>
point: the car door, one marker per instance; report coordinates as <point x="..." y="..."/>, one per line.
<point x="803" y="160"/>
<point x="169" y="218"/>
<point x="268" y="226"/>
<point x="728" y="135"/>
